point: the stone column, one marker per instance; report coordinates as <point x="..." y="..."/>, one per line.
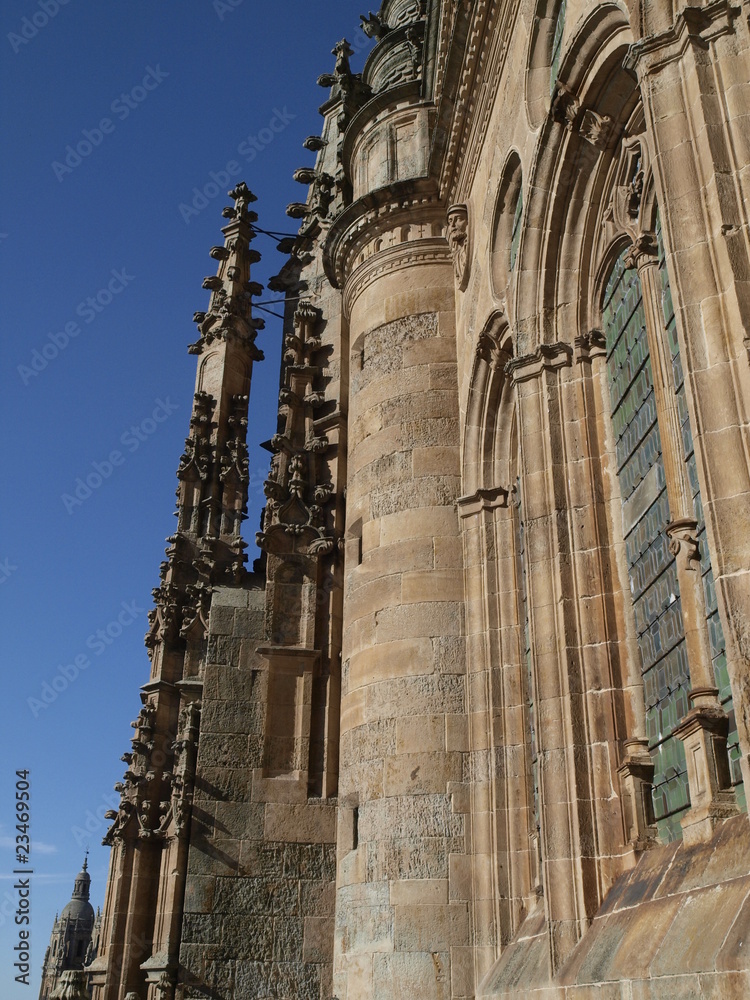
<point x="581" y="707"/>
<point x="402" y="901"/>
<point x="499" y="795"/>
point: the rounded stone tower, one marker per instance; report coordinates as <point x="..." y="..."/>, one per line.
<point x="401" y="919"/>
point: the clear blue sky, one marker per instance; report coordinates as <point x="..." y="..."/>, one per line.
<point x="91" y="210"/>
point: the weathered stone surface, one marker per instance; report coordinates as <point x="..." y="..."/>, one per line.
<point x="478" y="724"/>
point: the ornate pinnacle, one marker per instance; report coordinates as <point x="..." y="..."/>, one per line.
<point x="342" y="72"/>
<point x="229" y="313"/>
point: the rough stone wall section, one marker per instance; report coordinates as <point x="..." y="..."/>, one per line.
<point x="259" y="897"/>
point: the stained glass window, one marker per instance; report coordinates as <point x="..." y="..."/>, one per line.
<point x="557" y="46"/>
<point x="651" y="566"/>
<point x="715" y="631"/>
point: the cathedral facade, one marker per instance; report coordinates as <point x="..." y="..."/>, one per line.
<point x="477" y="723"/>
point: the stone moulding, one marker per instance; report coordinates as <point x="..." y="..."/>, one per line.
<point x="692" y="25"/>
<point x="483" y="499"/>
<point x="389" y="211"/>
<point x="547" y="357"/>
<point x="431" y="250"/>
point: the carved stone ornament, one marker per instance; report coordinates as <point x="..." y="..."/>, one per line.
<point x="458" y="241"/>
<point x="297" y="490"/>
<point x="683" y="542"/>
<point x="627" y="196"/>
<point x="132" y="788"/>
<point x="596" y="129"/>
<point x="494" y="344"/>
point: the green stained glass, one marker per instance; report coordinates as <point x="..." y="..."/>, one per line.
<point x="651" y="566"/>
<point x="557" y="46"/>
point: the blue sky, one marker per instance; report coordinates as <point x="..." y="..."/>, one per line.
<point x="119" y="123"/>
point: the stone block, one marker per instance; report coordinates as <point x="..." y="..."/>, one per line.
<point x="419" y="891"/>
<point x="314" y="824"/>
<point x="199" y="894"/>
<point x="318" y="939"/>
<point x="221" y="621"/>
<point x="389" y="660"/>
<point x="421" y="773"/>
<point x="420" y="733"/>
<point x="430" y="928"/>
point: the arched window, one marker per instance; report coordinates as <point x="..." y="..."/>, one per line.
<point x="651" y="565"/>
<point x="506" y="226"/>
<point x="715" y="631"/>
<point x="646" y="515"/>
<point x="557" y="46"/>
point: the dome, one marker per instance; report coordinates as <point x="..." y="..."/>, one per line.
<point x="79" y="907"/>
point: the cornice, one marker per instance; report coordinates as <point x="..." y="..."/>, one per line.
<point x="483" y="499"/>
<point x="411" y="253"/>
<point x="412" y="202"/>
<point x="697" y="26"/>
<point x="484" y="56"/>
<point x="547" y="357"/>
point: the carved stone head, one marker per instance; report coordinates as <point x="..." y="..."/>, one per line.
<point x="458" y="240"/>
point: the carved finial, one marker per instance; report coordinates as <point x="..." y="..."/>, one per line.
<point x="229" y="312"/>
<point x="243" y="197"/>
<point x="342" y="72"/>
<point x="343" y="51"/>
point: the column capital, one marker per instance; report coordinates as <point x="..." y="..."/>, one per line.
<point x="644" y="251"/>
<point x="547" y="357"/>
<point x="482" y="500"/>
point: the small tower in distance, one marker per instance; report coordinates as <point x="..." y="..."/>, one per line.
<point x="75" y="934"/>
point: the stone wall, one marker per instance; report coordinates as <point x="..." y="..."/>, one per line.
<point x="259" y="898"/>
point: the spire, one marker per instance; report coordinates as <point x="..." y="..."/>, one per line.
<point x="82" y="884"/>
<point x="229" y="313"/>
<point x="207" y="547"/>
